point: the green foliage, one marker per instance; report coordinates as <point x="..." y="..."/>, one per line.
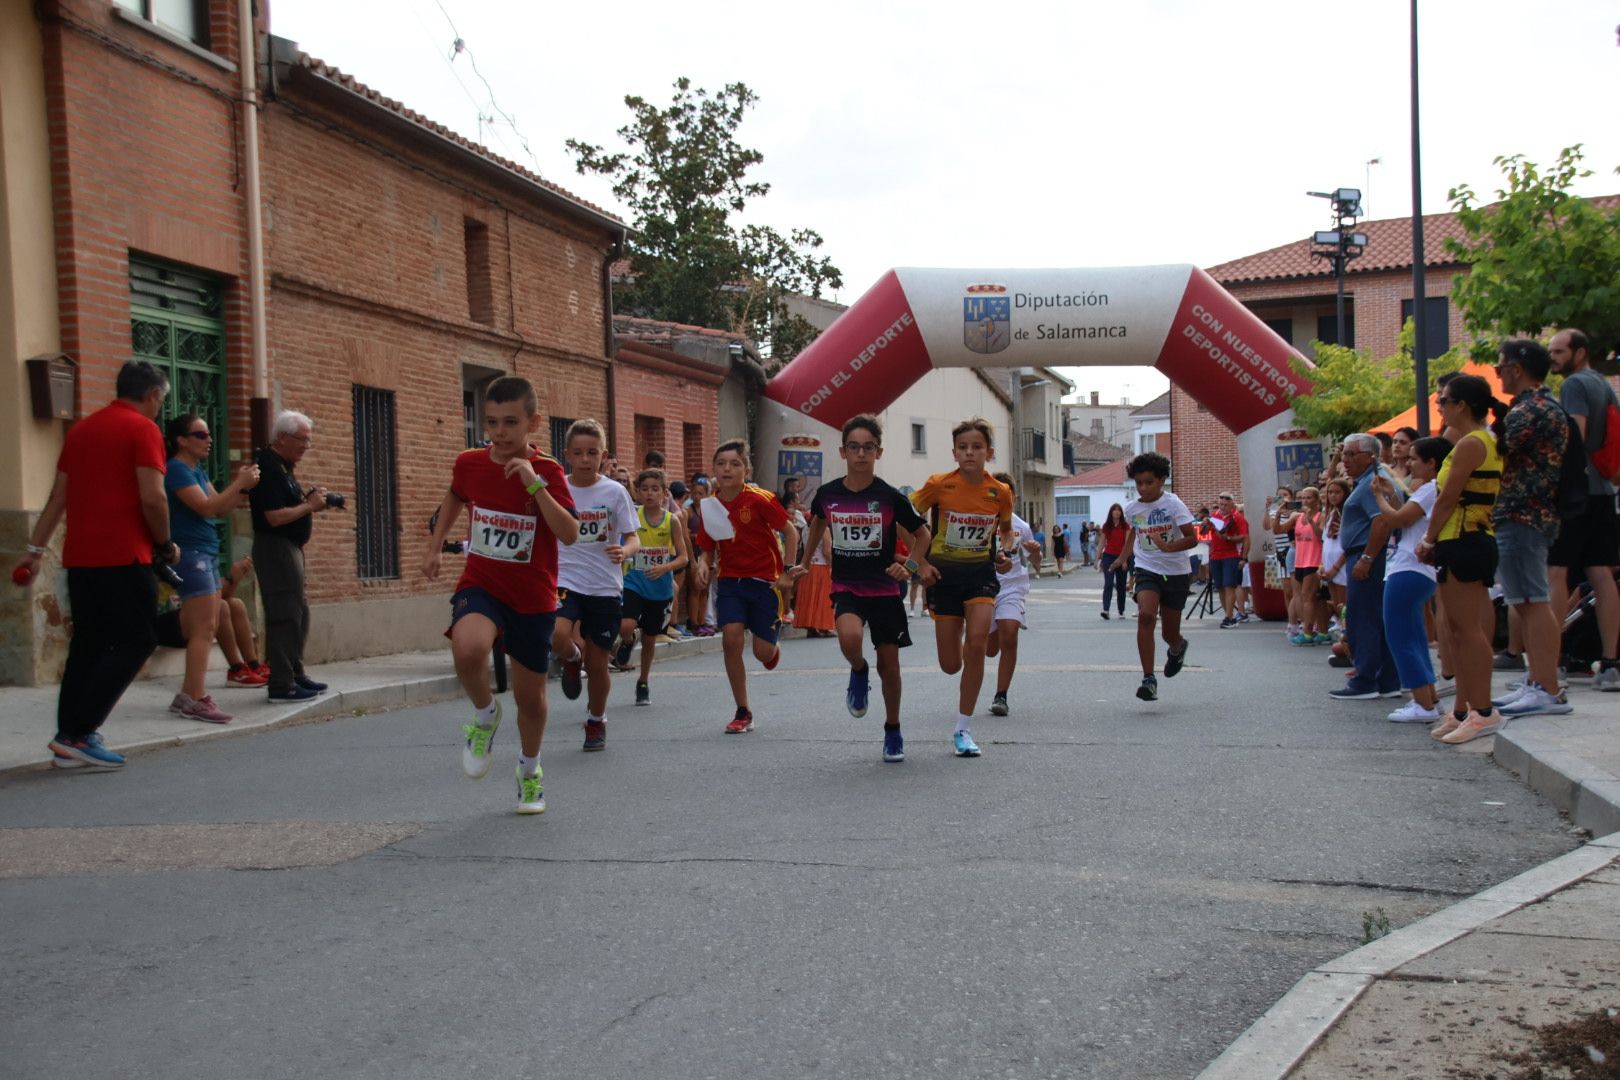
<point x="1374" y="925"/>
<point x="1539" y="257"/>
<point x="683" y="176"/>
<point x="1354" y="391"/>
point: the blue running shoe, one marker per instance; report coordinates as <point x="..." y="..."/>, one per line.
<point x="89" y="749"/>
<point x="965" y="746"/>
<point x="860" y="687"/>
<point x="894" y="747"/>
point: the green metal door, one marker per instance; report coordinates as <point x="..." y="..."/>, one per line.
<point x="175" y="323"/>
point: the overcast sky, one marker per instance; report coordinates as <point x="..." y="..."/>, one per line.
<point x="1024" y="134"/>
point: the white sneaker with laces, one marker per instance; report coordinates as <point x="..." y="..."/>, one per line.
<point x="1607" y="680"/>
<point x="1536" y="701"/>
<point x="1413" y="713"/>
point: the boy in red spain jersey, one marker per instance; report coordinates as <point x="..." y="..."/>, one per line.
<point x="520" y="510"/>
<point x="970" y="519"/>
<point x="736" y="531"/>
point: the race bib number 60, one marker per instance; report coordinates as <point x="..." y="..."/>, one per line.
<point x="594" y="525"/>
<point x="969" y="532"/>
<point x="499" y="535"/>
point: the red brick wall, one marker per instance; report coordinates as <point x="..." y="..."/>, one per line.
<point x="365" y="249"/>
<point x="642" y="392"/>
<point x="1203" y="453"/>
<point x="144" y="157"/>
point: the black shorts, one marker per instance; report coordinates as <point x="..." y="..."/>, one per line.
<point x="1172" y="588"/>
<point x="1303" y="572"/>
<point x="884" y="616"/>
<point x="1589" y="540"/>
<point x="597" y="616"/>
<point x="650" y="616"/>
<point x="949" y="597"/>
<point x="1469" y="557"/>
<point x="526" y="638"/>
<point x="169" y="634"/>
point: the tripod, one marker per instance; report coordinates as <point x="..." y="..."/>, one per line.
<point x="1204" y="603"/>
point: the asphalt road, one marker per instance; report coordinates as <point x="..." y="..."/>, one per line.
<point x="1115" y="889"/>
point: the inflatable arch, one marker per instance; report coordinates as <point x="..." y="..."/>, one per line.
<point x="1176" y="318"/>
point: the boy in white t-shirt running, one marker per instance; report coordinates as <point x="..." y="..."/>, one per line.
<point x="590" y="576"/>
<point x="1010" y="604"/>
<point x="1162" y="534"/>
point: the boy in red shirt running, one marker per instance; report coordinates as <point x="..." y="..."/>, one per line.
<point x="520" y="509"/>
<point x="737" y="528"/>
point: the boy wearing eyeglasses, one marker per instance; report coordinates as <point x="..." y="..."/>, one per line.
<point x="863" y="515"/>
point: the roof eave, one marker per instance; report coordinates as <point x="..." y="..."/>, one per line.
<point x="291" y="73"/>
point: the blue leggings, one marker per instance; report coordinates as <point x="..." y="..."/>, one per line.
<point x="1405" y="595"/>
<point x="1113" y="579"/>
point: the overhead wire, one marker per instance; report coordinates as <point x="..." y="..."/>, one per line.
<point x="459" y="47"/>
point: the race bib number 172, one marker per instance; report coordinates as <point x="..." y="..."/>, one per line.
<point x="969" y="532"/>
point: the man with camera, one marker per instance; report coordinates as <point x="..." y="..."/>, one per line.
<point x="109" y="487"/>
<point x="283" y="513"/>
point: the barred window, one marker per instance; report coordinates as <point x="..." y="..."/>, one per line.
<point x="559" y="439"/>
<point x="376" y="495"/>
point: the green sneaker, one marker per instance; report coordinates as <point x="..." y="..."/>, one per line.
<point x="475" y="757"/>
<point x="531" y="792"/>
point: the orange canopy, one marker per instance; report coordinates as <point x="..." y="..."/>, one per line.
<point x="1436" y="425"/>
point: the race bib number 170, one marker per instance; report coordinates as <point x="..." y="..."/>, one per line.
<point x="499" y="535"/>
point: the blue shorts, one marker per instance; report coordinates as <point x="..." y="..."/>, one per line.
<point x="750" y="602"/>
<point x="199" y="574"/>
<point x="526" y="638"/>
<point x="1521" y="564"/>
<point x="1226" y="573"/>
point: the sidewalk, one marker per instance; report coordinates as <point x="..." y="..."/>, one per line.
<point x="1528" y="968"/>
<point x="142" y="720"/>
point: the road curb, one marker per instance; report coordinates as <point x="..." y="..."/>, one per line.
<point x="1276" y="1043"/>
<point x="1588" y="794"/>
<point x="392" y="695"/>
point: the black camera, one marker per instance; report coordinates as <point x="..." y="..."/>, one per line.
<point x="334" y="501"/>
<point x="165" y="572"/>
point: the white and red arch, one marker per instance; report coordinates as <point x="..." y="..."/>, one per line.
<point x="1176" y="318"/>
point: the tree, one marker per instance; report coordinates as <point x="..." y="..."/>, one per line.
<point x="684" y="176"/>
<point x="1354" y="391"/>
<point x="1539" y="257"/>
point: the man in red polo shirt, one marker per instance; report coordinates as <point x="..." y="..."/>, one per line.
<point x="1227" y="546"/>
<point x="109" y="486"/>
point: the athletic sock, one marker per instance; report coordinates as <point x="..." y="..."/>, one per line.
<point x="1460" y="714"/>
<point x="962" y="722"/>
<point x="486" y="715"/>
<point x="527" y="765"/>
<point x="597" y="719"/>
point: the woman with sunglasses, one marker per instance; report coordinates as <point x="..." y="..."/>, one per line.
<point x="1460" y="539"/>
<point x="193" y="504"/>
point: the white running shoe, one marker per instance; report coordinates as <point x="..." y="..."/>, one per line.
<point x="1413" y="713"/>
<point x="475" y="752"/>
<point x="1444" y="687"/>
<point x="1515" y="690"/>
<point x="1536" y="701"/>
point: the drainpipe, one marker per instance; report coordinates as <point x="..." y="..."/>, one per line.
<point x="248" y="65"/>
<point x="613" y="255"/>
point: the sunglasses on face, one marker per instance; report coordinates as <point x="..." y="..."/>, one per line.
<point x="198" y="435"/>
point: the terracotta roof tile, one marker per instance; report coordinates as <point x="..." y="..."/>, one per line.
<point x="1389" y="247"/>
<point x="1109" y="475"/>
<point x="328" y="71"/>
<point x="630" y="326"/>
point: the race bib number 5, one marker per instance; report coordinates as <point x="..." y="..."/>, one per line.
<point x="856" y="532"/>
<point x="594" y="525"/>
<point x="969" y="532"/>
<point x="499" y="535"/>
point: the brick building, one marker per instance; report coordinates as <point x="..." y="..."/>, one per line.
<point x="1295" y="295"/>
<point x="404" y="267"/>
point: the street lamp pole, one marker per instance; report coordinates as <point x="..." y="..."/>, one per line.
<point x="1420" y="359"/>
<point x="1340" y="244"/>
